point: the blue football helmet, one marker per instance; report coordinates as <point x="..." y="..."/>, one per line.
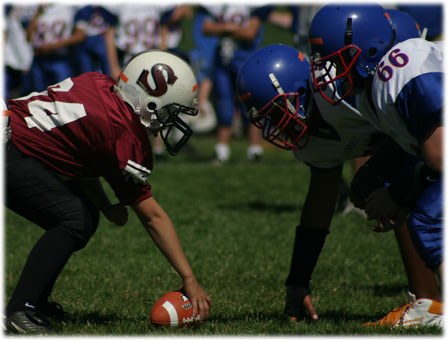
<point x="405" y="26"/>
<point x="346" y="38"/>
<point x="273" y="86"/>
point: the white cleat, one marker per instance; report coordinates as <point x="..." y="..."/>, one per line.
<point x="424" y="312"/>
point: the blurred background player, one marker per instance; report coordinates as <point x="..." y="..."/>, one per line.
<point x="202" y="57"/>
<point x="99" y="129"/>
<point x="53" y="36"/>
<point x="18" y="53"/>
<point x="400" y="93"/>
<point x="239" y="28"/>
<point x="91" y="54"/>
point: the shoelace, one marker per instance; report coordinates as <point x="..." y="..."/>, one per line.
<point x="391" y="318"/>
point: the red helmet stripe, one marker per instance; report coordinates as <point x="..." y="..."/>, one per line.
<point x="123" y="77"/>
<point x="195" y="87"/>
<point x="245" y="96"/>
<point x="316" y="41"/>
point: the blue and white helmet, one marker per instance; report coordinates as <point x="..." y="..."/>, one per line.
<point x="273" y="87"/>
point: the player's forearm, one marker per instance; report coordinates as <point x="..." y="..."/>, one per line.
<point x="160" y="228"/>
<point x="248" y="32"/>
<point x="164" y="236"/>
<point x="218" y="28"/>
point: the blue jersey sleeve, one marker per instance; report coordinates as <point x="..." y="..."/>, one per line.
<point x="420" y="104"/>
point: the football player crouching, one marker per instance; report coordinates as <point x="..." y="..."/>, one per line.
<point x="398" y="87"/>
<point x="63" y="140"/>
<point x="275" y="87"/>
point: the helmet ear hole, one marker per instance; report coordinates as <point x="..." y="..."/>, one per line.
<point x="372" y="51"/>
<point x="151" y="106"/>
<point x="301" y="91"/>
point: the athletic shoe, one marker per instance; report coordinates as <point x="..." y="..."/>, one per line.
<point x="422" y="312"/>
<point x="391" y="319"/>
<point x="255" y="153"/>
<point x="27" y="321"/>
<point x="53" y="310"/>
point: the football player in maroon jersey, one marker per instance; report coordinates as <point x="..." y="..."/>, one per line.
<point x="63" y="140"/>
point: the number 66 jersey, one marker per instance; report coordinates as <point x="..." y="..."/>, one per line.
<point x="81" y="129"/>
<point x="406" y="98"/>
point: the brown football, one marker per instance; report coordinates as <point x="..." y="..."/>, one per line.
<point x="174" y="309"/>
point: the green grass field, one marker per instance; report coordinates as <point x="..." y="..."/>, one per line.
<point x="236" y="223"/>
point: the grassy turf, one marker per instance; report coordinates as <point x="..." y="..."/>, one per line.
<point x="236" y="223"/>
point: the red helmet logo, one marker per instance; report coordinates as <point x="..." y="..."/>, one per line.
<point x="161" y="84"/>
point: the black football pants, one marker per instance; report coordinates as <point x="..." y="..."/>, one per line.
<point x="35" y="192"/>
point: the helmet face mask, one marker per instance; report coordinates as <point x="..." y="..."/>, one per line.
<point x="353" y="37"/>
<point x="273" y="86"/>
<point x="160" y="86"/>
<point x="336" y="69"/>
<point x="279" y="124"/>
<point x="174" y="128"/>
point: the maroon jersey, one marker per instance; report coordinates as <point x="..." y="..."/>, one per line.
<point x="81" y="129"/>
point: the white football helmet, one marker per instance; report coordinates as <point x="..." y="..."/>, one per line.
<point x="159" y="86"/>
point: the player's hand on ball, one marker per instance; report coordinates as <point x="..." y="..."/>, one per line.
<point x="117" y="214"/>
<point x="199" y="299"/>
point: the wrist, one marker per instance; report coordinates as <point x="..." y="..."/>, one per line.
<point x="189" y="279"/>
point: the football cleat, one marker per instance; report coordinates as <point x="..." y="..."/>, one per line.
<point x="53" y="310"/>
<point x="26" y="322"/>
<point x="423" y="312"/>
<point x="391" y="319"/>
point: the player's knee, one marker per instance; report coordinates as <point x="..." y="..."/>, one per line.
<point x="80" y="222"/>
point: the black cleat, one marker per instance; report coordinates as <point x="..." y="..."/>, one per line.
<point x="53" y="310"/>
<point x="26" y="322"/>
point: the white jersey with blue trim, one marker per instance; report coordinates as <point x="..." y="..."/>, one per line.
<point x="138" y="28"/>
<point x="406" y="94"/>
<point x="341" y="133"/>
<point x="54" y="24"/>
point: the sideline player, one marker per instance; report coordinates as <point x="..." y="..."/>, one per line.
<point x="66" y="137"/>
<point x="399" y="89"/>
<point x="240" y="30"/>
<point x="273" y="84"/>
